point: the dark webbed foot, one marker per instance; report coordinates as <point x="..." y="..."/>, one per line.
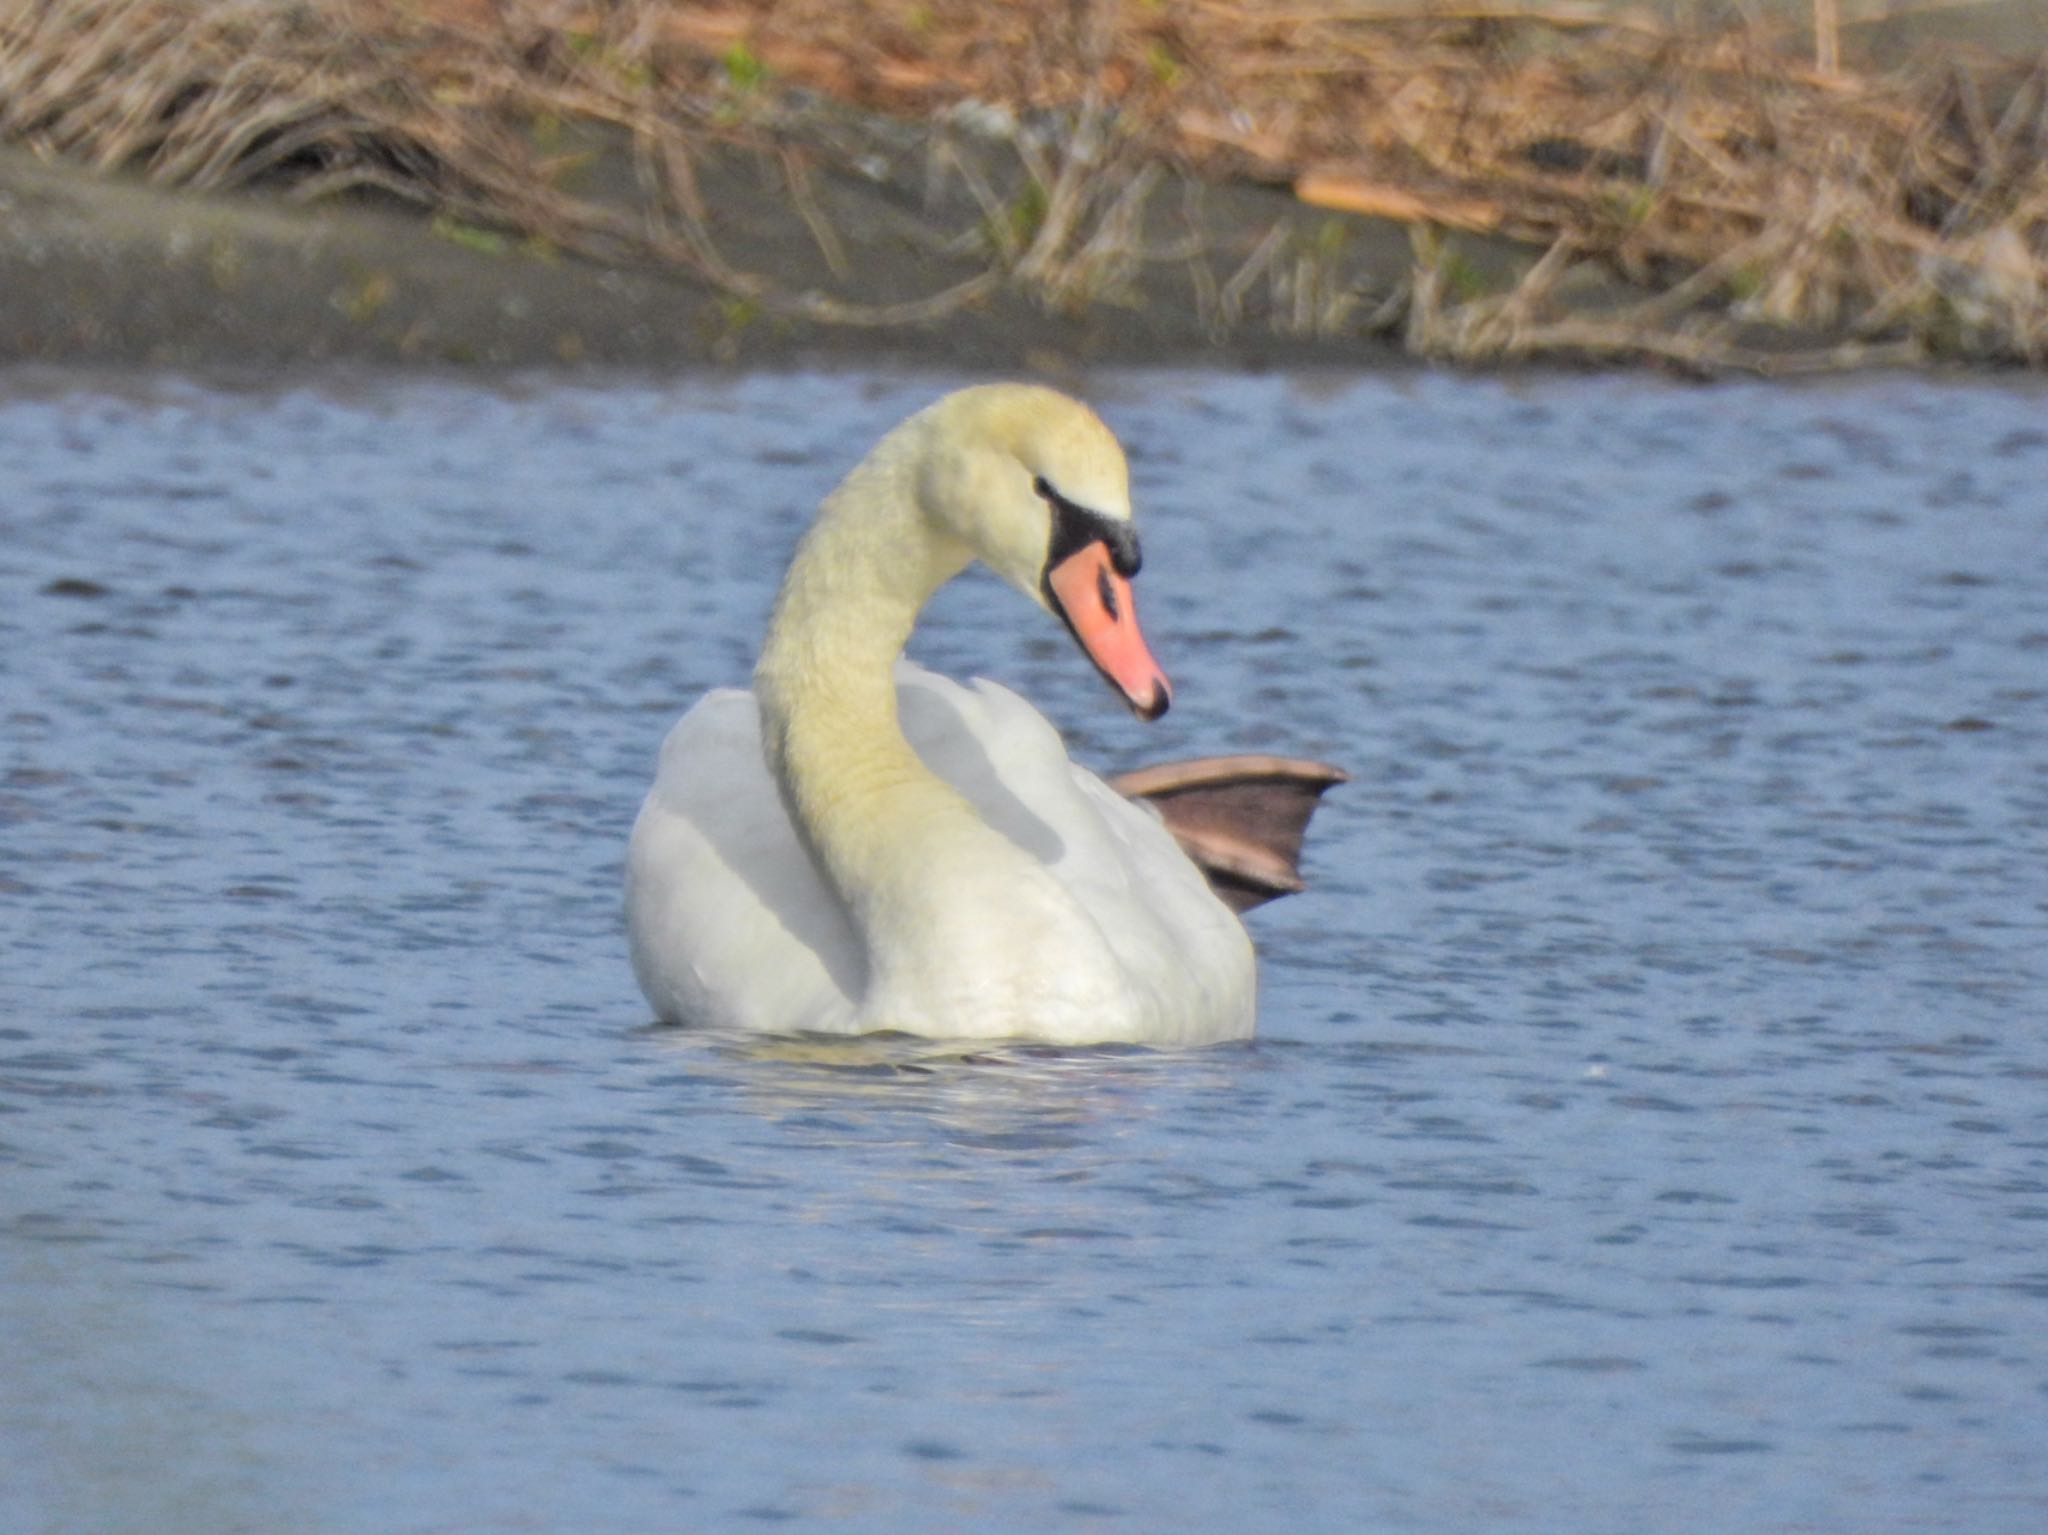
<point x="1241" y="819"/>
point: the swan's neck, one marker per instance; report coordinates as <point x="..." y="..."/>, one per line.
<point x="962" y="930"/>
<point x="875" y="817"/>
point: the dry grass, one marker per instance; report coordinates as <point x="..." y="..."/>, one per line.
<point x="1717" y="169"/>
<point x="1744" y="185"/>
<point x="457" y="108"/>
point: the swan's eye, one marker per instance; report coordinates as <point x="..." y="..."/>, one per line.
<point x="1074" y="525"/>
<point x="1124" y="555"/>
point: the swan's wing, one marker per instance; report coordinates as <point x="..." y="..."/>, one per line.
<point x="729" y="923"/>
<point x="1193" y="951"/>
<point x="1181" y="948"/>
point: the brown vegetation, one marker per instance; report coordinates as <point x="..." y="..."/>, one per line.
<point x="1750" y="189"/>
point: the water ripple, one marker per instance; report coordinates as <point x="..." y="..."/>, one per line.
<point x="1647" y="1105"/>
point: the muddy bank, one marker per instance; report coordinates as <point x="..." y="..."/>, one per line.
<point x="114" y="270"/>
<point x="519" y="182"/>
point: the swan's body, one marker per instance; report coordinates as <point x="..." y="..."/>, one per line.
<point x="1086" y="922"/>
<point x="859" y="844"/>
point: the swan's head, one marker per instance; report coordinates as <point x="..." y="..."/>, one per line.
<point x="1037" y="487"/>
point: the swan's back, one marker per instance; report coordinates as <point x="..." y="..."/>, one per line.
<point x="1182" y="951"/>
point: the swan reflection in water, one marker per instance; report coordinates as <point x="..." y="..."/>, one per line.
<point x="1012" y="1096"/>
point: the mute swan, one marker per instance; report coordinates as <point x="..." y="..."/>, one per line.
<point x="859" y="844"/>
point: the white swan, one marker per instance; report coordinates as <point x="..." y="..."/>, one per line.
<point x="859" y="844"/>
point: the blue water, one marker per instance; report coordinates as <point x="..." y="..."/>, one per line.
<point x="1648" y="1128"/>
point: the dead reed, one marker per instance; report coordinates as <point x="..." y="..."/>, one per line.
<point x="1749" y="193"/>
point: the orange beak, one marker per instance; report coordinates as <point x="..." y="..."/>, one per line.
<point x="1099" y="608"/>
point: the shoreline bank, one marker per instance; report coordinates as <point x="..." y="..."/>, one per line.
<point x="682" y="188"/>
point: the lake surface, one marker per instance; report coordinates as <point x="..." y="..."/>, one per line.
<point x="1648" y="1128"/>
